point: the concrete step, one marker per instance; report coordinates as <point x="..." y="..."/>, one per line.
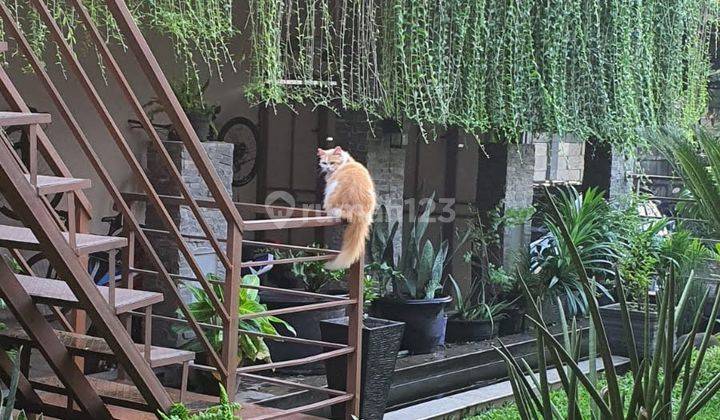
<point x="480" y="399"/>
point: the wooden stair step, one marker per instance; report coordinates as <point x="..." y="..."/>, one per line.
<point x="55" y="184"/>
<point x="117" y="393"/>
<point x="8" y="119"/>
<point x="58" y="293"/>
<point x="23" y="238"/>
<point x="85" y="345"/>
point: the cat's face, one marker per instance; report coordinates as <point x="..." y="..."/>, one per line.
<point x="331" y="159"/>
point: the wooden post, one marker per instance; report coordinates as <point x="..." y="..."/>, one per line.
<point x="231" y="289"/>
<point x="355" y="318"/>
<point x="78" y="317"/>
<point x="33" y="153"/>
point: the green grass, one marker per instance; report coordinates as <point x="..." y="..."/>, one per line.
<point x="711" y="367"/>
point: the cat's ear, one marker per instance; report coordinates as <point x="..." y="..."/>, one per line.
<point x="320" y="152"/>
<point x="338" y="150"/>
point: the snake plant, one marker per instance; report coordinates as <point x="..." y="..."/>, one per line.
<point x="418" y="273"/>
<point x="654" y="377"/>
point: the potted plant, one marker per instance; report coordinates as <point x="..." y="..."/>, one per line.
<point x="380" y="344"/>
<point x="191" y="95"/>
<point x="586" y="216"/>
<point x="477" y="316"/>
<point x="311" y="276"/>
<point x="645" y="259"/>
<point x="415" y="281"/>
<point x="480" y="310"/>
<point x="251" y="349"/>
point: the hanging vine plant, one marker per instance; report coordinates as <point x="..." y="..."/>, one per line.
<point x="582" y="67"/>
<point x="200" y="30"/>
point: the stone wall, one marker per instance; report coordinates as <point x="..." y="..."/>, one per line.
<point x="221" y="156"/>
<point x="519" y="185"/>
<point x="559" y="159"/>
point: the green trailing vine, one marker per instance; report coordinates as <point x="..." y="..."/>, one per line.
<point x="582" y="67"/>
<point x="200" y="30"/>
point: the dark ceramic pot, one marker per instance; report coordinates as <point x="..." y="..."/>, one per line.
<point x="380" y="344"/>
<point x="425" y="321"/>
<point x="462" y="331"/>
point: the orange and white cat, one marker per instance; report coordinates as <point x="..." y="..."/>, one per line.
<point x="350" y="195"/>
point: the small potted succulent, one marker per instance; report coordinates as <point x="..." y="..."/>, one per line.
<point x="416" y="281"/>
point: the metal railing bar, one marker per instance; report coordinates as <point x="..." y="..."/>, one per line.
<point x="300" y="308"/>
<point x="289" y="260"/>
<point x="305" y="408"/>
<point x="653" y="176"/>
<point x="297" y="340"/>
<point x="331" y="253"/>
<point x="137" y="107"/>
<point x="280" y="338"/>
<point x="307" y="249"/>
<point x="680" y="199"/>
<point x="94" y="160"/>
<point x="291" y="223"/>
<point x="256" y="208"/>
<point x="292" y="384"/>
<point x="295" y="362"/>
<point x="277" y="290"/>
<point x="125" y="149"/>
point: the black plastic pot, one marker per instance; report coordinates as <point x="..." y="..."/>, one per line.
<point x="425" y="321"/>
<point x="380" y="344"/>
<point x="306" y="325"/>
<point x="462" y="331"/>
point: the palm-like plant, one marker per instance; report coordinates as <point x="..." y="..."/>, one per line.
<point x="654" y="378"/>
<point x="585" y="216"/>
<point x="697" y="159"/>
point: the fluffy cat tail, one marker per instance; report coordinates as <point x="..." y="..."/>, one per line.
<point x="353" y="244"/>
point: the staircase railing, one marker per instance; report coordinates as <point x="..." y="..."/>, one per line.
<point x="224" y="362"/>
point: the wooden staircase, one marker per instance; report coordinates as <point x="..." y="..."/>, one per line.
<point x="66" y="244"/>
<point x="24" y="189"/>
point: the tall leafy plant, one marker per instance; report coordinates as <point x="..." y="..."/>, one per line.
<point x="653" y="378"/>
<point x="696" y="157"/>
<point x="585" y="216"/>
<point x="251" y="348"/>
